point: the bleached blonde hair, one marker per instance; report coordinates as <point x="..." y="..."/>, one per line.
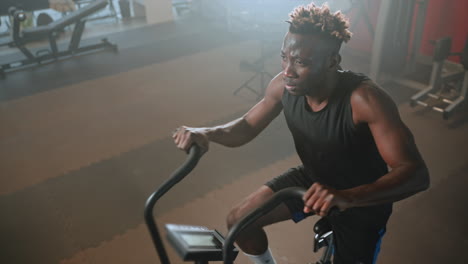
<point x="312" y="19"/>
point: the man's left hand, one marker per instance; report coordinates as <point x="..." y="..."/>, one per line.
<point x="320" y="199"/>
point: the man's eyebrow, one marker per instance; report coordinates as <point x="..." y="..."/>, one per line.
<point x="301" y="58"/>
<point x="296" y="56"/>
<point x="284" y="53"/>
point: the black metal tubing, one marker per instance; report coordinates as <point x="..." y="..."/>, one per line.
<point x="76" y="36"/>
<point x="190" y="163"/>
<point x="51" y="57"/>
<point x="272" y="203"/>
<point x="18" y="16"/>
<point x="275" y="200"/>
<point x="21" y="38"/>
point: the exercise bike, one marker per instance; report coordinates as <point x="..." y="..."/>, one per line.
<point x="193" y="243"/>
<point x="323" y="232"/>
<point x="201" y="244"/>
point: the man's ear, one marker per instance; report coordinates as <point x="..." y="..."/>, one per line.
<point x="335" y="60"/>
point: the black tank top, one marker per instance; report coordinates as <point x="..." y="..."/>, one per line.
<point x="333" y="150"/>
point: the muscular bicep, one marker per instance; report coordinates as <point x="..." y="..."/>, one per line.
<point x="396" y="145"/>
<point x="394" y="140"/>
<point x="259" y="116"/>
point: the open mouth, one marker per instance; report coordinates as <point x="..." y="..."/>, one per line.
<point x="288" y="84"/>
<point x="290" y="87"/>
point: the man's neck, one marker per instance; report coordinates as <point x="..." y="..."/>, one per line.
<point x="319" y="100"/>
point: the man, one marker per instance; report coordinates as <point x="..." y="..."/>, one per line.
<point x="347" y="132"/>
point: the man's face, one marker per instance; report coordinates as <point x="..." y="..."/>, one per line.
<point x="304" y="63"/>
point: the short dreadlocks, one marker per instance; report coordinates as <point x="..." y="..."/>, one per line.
<point x="311" y="19"/>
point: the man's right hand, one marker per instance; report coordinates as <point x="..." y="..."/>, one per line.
<point x="184" y="137"/>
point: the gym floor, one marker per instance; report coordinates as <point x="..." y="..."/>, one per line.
<point x="85" y="141"/>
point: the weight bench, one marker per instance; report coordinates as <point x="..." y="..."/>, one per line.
<point x="438" y="81"/>
<point x="6" y="41"/>
<point x="51" y="31"/>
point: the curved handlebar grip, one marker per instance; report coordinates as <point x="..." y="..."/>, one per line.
<point x="274" y="201"/>
<point x="196" y="151"/>
<point x="189" y="164"/>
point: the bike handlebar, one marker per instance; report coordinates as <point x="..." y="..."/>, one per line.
<point x="273" y="202"/>
<point x="194" y="156"/>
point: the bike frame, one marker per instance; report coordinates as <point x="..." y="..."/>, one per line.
<point x="273" y="202"/>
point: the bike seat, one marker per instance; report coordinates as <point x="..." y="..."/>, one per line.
<point x="322" y="226"/>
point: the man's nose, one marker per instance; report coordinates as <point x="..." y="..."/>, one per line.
<point x="289" y="71"/>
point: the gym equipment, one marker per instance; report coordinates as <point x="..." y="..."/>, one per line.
<point x="111" y="14"/>
<point x="323" y="237"/>
<point x="50" y="32"/>
<point x="440" y="81"/>
<point x="260" y="21"/>
<point x="5" y="40"/>
<point x="263" y="21"/>
<point x="391" y="49"/>
<point x="26" y="5"/>
<point x="181" y="6"/>
<point x="193" y="243"/>
<point x="257" y="67"/>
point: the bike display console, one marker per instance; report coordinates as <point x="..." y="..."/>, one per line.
<point x="194" y="243"/>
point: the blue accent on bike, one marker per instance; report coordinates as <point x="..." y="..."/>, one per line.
<point x="377" y="246"/>
<point x="298" y="216"/>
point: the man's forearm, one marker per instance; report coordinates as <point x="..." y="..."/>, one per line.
<point x="398" y="184"/>
<point x="233" y="134"/>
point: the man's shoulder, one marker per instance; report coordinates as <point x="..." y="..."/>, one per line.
<point x="349" y="81"/>
<point x="368" y="98"/>
<point x="369" y="90"/>
<point x="351" y="78"/>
